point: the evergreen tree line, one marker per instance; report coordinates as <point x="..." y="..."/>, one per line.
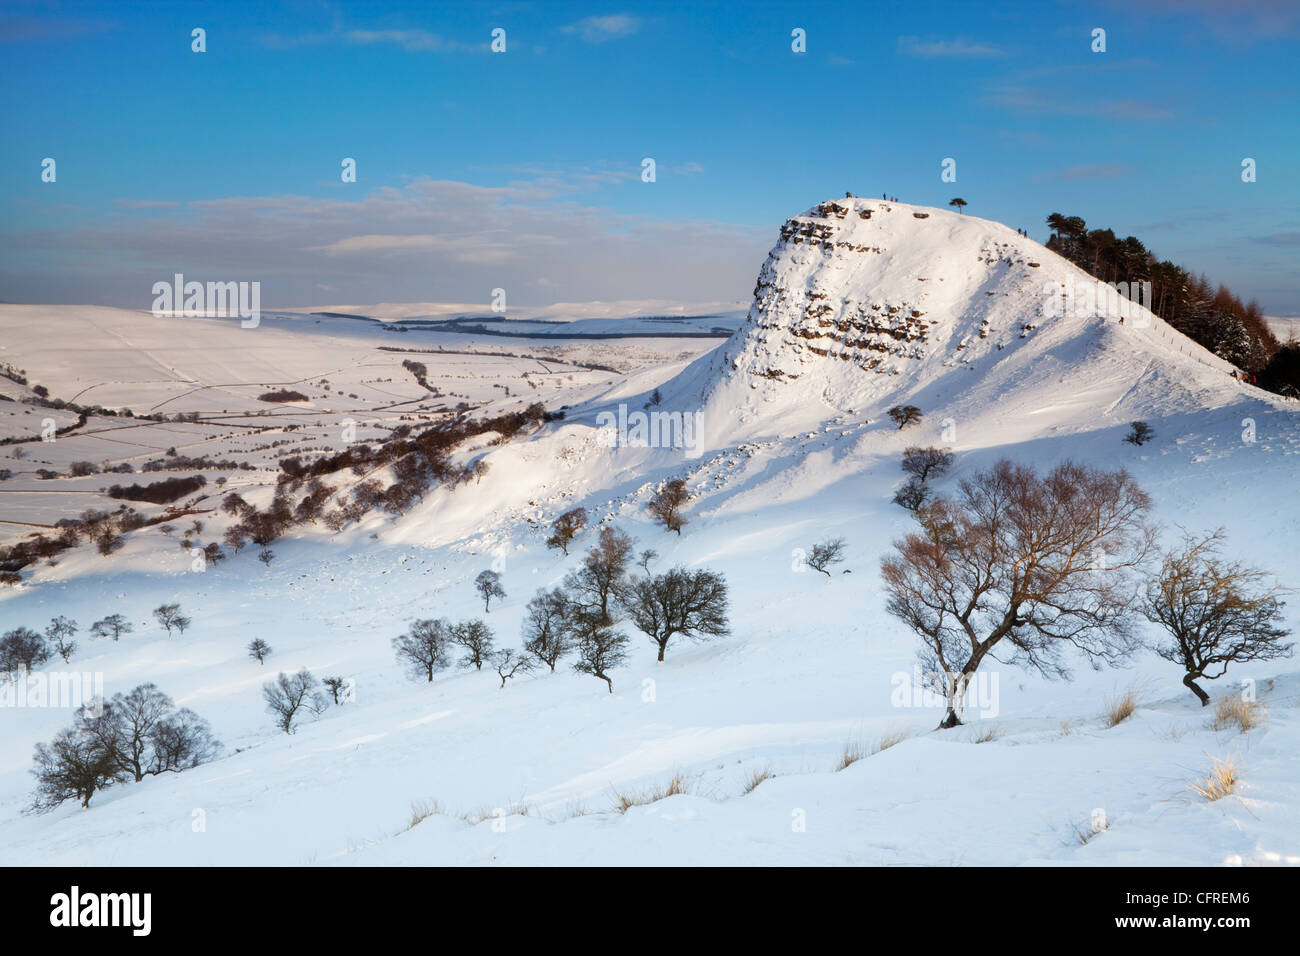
<point x="1213" y="316"/>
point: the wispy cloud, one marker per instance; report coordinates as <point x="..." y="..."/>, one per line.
<point x="376" y="243"/>
<point x="1023" y="100"/>
<point x="33" y="29"/>
<point x="145" y="203"/>
<point x="1279" y="239"/>
<point x="412" y="41"/>
<point x="466" y="250"/>
<point x="427" y="240"/>
<point x="1072" y="173"/>
<point x="931" y="49"/>
<point x="1232" y="20"/>
<point x="601" y="29"/>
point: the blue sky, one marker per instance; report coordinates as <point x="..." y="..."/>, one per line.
<point x="521" y="169"/>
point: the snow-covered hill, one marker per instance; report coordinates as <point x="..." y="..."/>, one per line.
<point x="861" y="305"/>
<point x="864" y="304"/>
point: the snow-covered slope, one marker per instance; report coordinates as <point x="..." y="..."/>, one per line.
<point x="864" y="304"/>
<point x="797" y="449"/>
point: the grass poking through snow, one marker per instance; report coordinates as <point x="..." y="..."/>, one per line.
<point x="757" y="777"/>
<point x="988" y="734"/>
<point x="1085" y="830"/>
<point x="1221" y="781"/>
<point x="1245" y="715"/>
<point x="421" y="810"/>
<point x="853" y="752"/>
<point x="1121" y="708"/>
<point x="676" y="785"/>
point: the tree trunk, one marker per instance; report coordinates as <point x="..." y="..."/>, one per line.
<point x="609" y="682"/>
<point x="1202" y="696"/>
<point x="662" y="647"/>
<point x="956" y="691"/>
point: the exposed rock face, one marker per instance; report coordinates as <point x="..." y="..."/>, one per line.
<point x="863" y="304"/>
<point x="833" y="288"/>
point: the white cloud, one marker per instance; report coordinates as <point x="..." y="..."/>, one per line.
<point x="374" y="243"/>
<point x="600" y="29"/>
<point x="145" y="204"/>
<point x="430" y="240"/>
<point x="415" y="41"/>
<point x="931" y="49"/>
<point x="412" y="41"/>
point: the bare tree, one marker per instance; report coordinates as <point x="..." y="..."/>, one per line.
<point x="124" y="725"/>
<point x="648" y="555"/>
<point x="1040" y="563"/>
<point x="912" y="495"/>
<point x="690" y="603"/>
<point x="170" y="617"/>
<point x="488" y="584"/>
<point x="259" y="650"/>
<point x="109" y="542"/>
<point x="600" y="647"/>
<point x="22" y="649"/>
<point x="288" y="696"/>
<point x="921" y="463"/>
<point x="603" y="569"/>
<point x="509" y="662"/>
<point x="546" y="634"/>
<point x="182" y="741"/>
<point x="1215" y="611"/>
<point x="825" y="554"/>
<point x="59" y="633"/>
<point x="475" y="638"/>
<point x="904" y="415"/>
<point x="114" y="626"/>
<point x="72" y="766"/>
<point x="425" y="648"/>
<point x="130" y="737"/>
<point x="667" y="503"/>
<point x="146" y="735"/>
<point x="266" y="556"/>
<point x="235" y="537"/>
<point x="339" y="688"/>
<point x="566" y="527"/>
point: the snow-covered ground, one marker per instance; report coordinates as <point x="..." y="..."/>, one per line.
<point x="796" y="449"/>
<point x="1286" y="329"/>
